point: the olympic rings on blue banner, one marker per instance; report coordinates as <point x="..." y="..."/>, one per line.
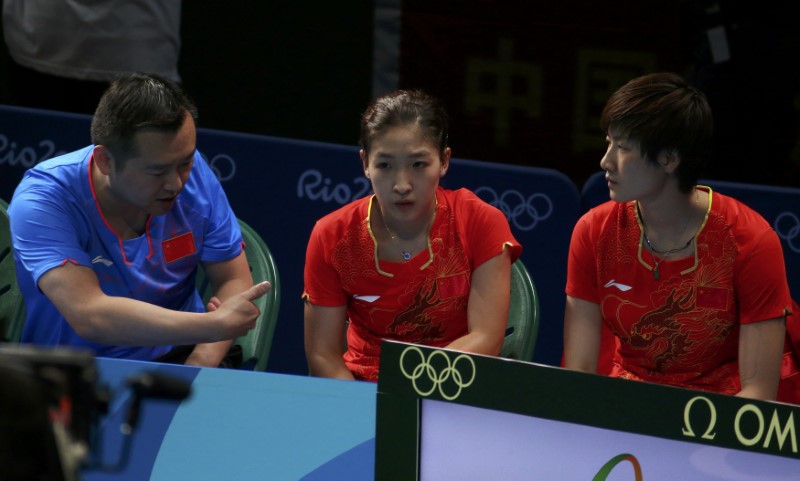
<point x="522" y="213"/>
<point x="223" y="166"/>
<point x="787" y="226"/>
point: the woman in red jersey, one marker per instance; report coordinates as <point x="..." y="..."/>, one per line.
<point x="691" y="283"/>
<point x="413" y="262"/>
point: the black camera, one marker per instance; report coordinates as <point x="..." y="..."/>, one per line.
<point x="50" y="407"/>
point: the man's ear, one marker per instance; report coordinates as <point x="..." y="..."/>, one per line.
<point x="103" y="159"/>
<point x="364" y="162"/>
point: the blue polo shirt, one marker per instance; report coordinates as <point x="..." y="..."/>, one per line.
<point x="55" y="219"/>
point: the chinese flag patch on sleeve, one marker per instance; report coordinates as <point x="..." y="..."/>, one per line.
<point x="178" y="247"/>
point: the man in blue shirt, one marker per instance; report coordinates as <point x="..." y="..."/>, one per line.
<point x="107" y="239"/>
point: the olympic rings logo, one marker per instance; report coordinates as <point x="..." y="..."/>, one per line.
<point x="523" y="213"/>
<point x="787" y="226"/>
<point x="223" y="166"/>
<point x="455" y="375"/>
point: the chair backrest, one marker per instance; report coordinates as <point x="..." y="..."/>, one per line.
<point x="594" y="191"/>
<point x="257" y="343"/>
<point x="12" y="310"/>
<point x="523" y="316"/>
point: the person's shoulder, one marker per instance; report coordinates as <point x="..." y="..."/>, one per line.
<point x="345" y="216"/>
<point x="736" y="213"/>
<point x="466" y="206"/>
<point x="201" y="175"/>
<point x="52" y="175"/>
<point x="203" y="187"/>
<point x="69" y="163"/>
<point x="609" y="209"/>
<point x="743" y="223"/>
<point x="464" y="200"/>
<point x="608" y="216"/>
<point x="55" y="190"/>
<point x="202" y="170"/>
<point x="460" y="195"/>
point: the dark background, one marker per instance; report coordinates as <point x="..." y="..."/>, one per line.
<point x="524" y="80"/>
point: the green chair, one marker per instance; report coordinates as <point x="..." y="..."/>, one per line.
<point x="523" y="316"/>
<point x="12" y="309"/>
<point x="257" y="343"/>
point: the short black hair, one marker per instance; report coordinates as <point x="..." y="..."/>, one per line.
<point x="662" y="112"/>
<point x="136" y="102"/>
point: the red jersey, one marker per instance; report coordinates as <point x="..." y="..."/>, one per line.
<point x="683" y="329"/>
<point x="424" y="300"/>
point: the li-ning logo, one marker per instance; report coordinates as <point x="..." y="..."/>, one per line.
<point x="787" y="226"/>
<point x="614" y="283"/>
<point x="456" y="375"/>
<point x="602" y="475"/>
<point x="522" y="213"/>
<point x="102" y="260"/>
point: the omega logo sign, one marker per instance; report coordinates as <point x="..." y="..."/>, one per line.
<point x="751" y="425"/>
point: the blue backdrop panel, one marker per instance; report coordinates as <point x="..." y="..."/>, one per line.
<point x="281" y="187"/>
<point x="29" y="136"/>
<point x="594" y="191"/>
<point x="780" y="206"/>
<point x="542" y="206"/>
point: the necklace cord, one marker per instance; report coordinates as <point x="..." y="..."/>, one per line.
<point x="405" y="254"/>
<point x="669" y="252"/>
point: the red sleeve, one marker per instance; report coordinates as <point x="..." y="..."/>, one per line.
<point x="582" y="262"/>
<point x="761" y="288"/>
<point x="321" y="281"/>
<point x="486" y="229"/>
<point x="582" y="275"/>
